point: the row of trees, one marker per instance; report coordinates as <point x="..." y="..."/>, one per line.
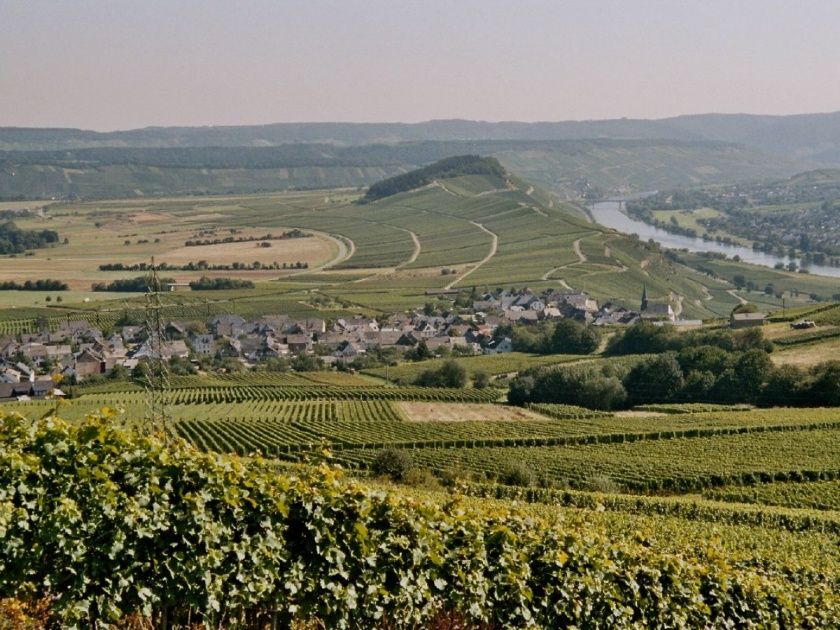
<point x="295" y="233"/>
<point x="215" y="284"/>
<point x="139" y="284"/>
<point x="645" y="338"/>
<point x="33" y="285"/>
<point x="14" y="240"/>
<point x="203" y="265"/>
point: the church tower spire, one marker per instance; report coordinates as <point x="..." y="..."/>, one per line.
<point x="644" y="298"/>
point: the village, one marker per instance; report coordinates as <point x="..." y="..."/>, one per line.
<point x="77" y="351"/>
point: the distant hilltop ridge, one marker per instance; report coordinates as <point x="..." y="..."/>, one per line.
<point x="814" y="137"/>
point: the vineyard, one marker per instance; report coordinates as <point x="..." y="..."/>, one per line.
<point x="765" y="483"/>
<point x="823" y="495"/>
<point x="244" y="540"/>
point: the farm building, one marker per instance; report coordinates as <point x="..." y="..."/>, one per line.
<point x="747" y="320"/>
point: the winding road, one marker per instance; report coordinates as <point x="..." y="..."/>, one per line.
<point x="417" y="249"/>
<point x="581" y="259"/>
<point x="493" y="247"/>
<point x="346" y="248"/>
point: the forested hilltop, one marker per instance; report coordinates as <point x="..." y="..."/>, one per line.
<point x="455" y="166"/>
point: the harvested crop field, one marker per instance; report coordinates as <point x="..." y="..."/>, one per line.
<point x="465" y="412"/>
<point x="310" y="250"/>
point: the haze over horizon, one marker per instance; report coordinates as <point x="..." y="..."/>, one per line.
<point x="106" y="66"/>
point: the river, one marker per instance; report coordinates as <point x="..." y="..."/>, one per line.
<point x="609" y="213"/>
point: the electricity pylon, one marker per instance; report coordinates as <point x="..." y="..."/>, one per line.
<point x="156" y="372"/>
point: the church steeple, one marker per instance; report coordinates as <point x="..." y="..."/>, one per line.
<point x="644" y="298"/>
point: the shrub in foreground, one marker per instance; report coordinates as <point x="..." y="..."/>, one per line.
<point x="392" y="463"/>
<point x="104" y="525"/>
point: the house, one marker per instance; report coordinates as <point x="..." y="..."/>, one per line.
<point x="610" y="314"/>
<point x="175" y="330"/>
<point x="8" y="347"/>
<point x="168" y="349"/>
<point x="499" y="346"/>
<point x="178" y="286"/>
<point x="252" y="347"/>
<point x="580" y="301"/>
<point x="298" y="343"/>
<point x="317" y="326"/>
<point x="88" y="363"/>
<point x="348" y="350"/>
<point x="203" y="344"/>
<point x="23" y="391"/>
<point x="229" y="347"/>
<point x="131" y="334"/>
<point x="445" y="341"/>
<point x="747" y="320"/>
<point x="9" y="375"/>
<point x="227" y="325"/>
<point x="425" y="330"/>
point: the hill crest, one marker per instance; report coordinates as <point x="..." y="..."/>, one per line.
<point x="447" y="168"/>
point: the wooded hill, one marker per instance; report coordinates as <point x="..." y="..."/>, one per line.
<point x="814" y="137"/>
<point x="455" y="166"/>
<point x="569" y="168"/>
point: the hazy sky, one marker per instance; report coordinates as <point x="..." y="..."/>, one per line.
<point x="119" y="64"/>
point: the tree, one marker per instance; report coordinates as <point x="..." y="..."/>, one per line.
<point x="642" y="338"/>
<point x="698" y="386"/>
<point x="420" y="352"/>
<point x="659" y="379"/>
<point x="752" y="370"/>
<point x="449" y="374"/>
<point x="571" y="337"/>
<point x="825" y="390"/>
<point x="521" y="389"/>
<point x="710" y="359"/>
<point x="784" y="387"/>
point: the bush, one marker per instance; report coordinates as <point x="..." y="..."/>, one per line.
<point x="392" y="463"/>
<point x="481" y="380"/>
<point x="517" y="475"/>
